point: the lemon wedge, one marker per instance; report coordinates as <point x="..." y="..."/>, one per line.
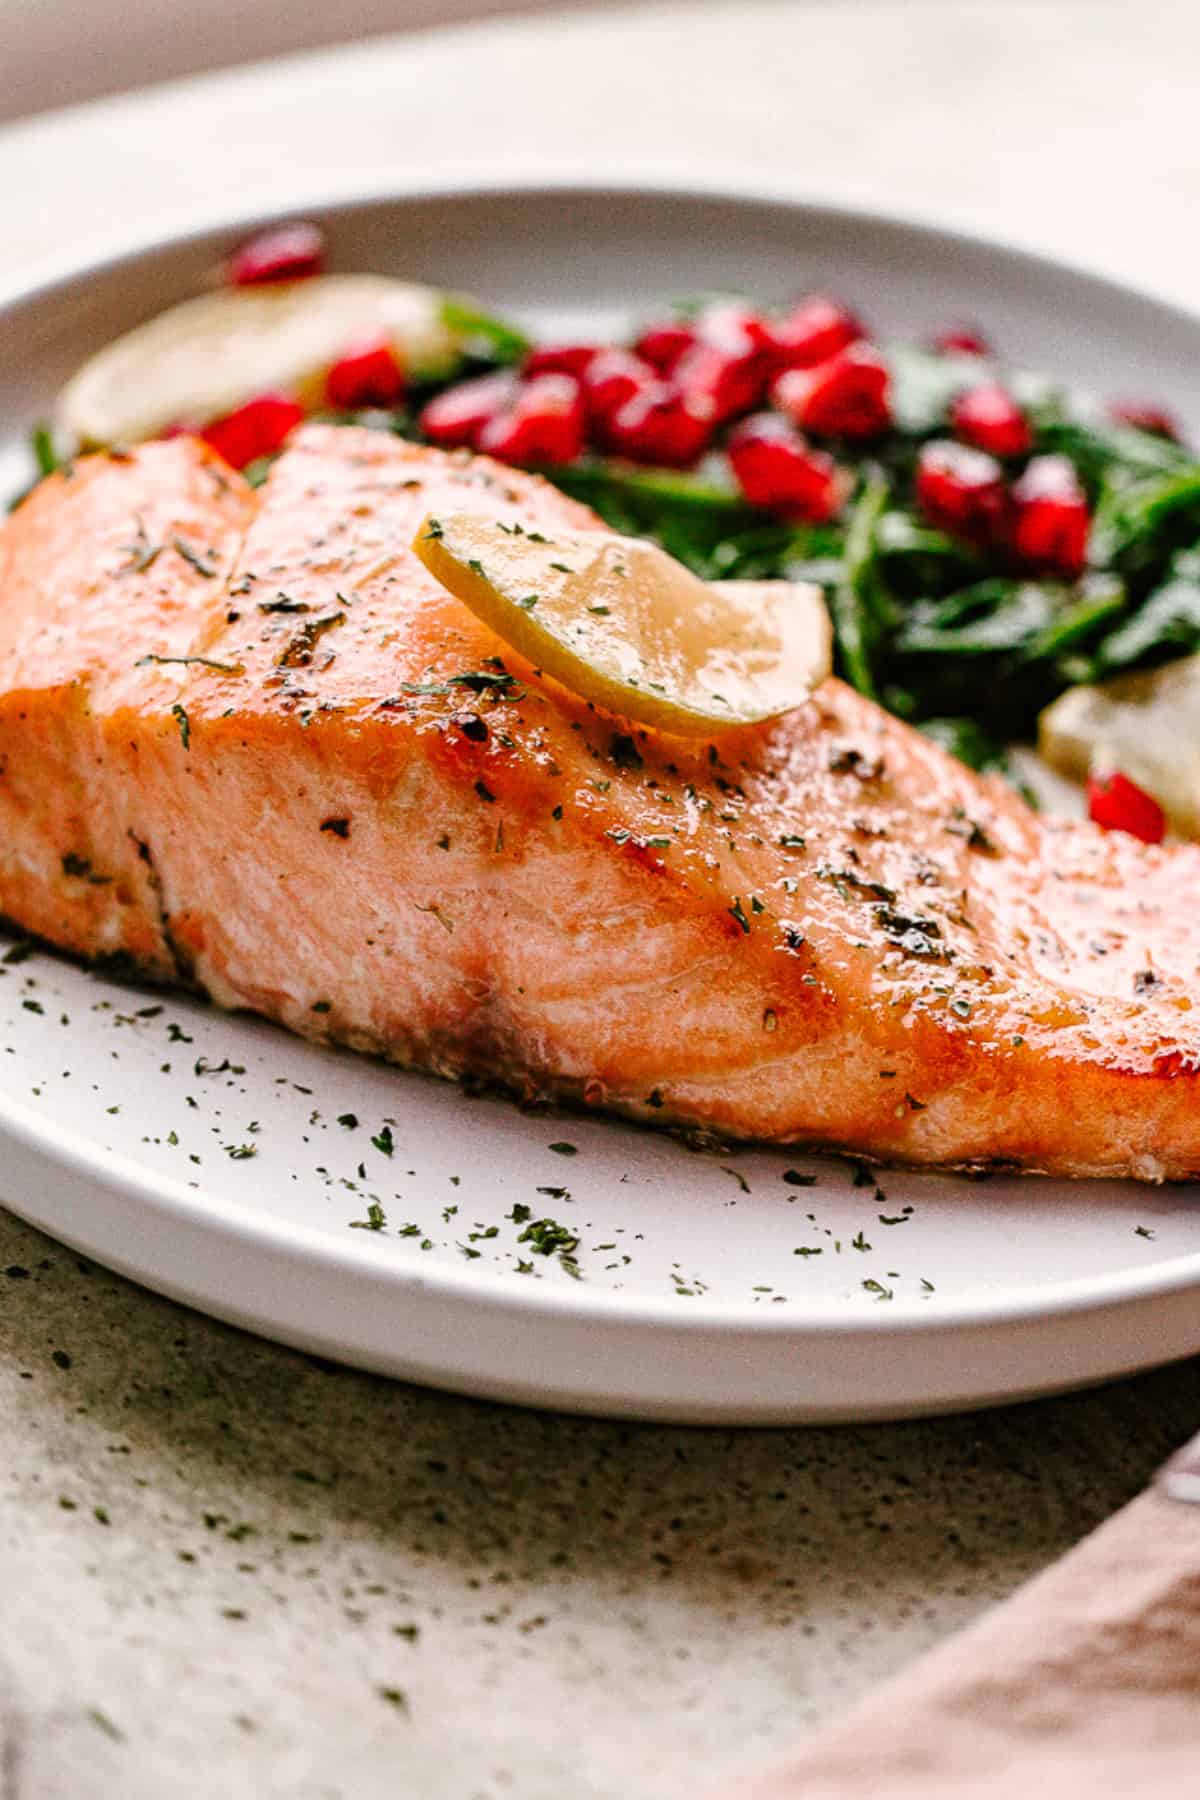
<point x="619" y="622"/>
<point x="208" y="356"/>
<point x="1146" y="725"/>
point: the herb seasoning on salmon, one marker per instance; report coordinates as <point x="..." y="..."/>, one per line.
<point x="995" y="969"/>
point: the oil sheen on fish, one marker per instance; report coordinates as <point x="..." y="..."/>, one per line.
<point x="248" y="743"/>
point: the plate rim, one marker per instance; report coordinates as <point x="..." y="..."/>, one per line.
<point x="106" y="251"/>
<point x="824" y="1316"/>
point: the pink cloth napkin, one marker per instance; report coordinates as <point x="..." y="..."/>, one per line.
<point x="1084" y="1686"/>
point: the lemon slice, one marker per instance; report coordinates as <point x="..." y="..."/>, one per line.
<point x="207" y="356"/>
<point x="618" y="621"/>
<point x="1146" y="725"/>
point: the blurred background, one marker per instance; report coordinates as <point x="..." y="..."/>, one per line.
<point x="59" y="52"/>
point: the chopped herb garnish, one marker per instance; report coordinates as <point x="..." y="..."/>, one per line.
<point x="961" y="825"/>
<point x="376" y="1219"/>
<point x="545" y="1236"/>
<point x="196" y="559"/>
<point x="482" y="681"/>
<point x="203" y="662"/>
<point x="283" y="603"/>
<point x="298" y="652"/>
<point x="141" y="553"/>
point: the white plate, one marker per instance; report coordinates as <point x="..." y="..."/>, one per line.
<point x="704" y="1287"/>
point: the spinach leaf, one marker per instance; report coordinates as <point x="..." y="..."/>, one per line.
<point x="1167" y="624"/>
<point x="1099" y="599"/>
<point x="856" y="600"/>
<point x="996" y="615"/>
<point x="44" y="453"/>
<point x="502" y="342"/>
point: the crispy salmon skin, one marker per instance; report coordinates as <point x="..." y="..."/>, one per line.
<point x="247" y="741"/>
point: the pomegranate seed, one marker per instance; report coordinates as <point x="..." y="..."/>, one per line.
<point x="561" y="359"/>
<point x="1145" y="416"/>
<point x="730" y="381"/>
<point x="728" y="325"/>
<point x="661" y="424"/>
<point x="1050" y="517"/>
<point x="961" y="491"/>
<point x="989" y="418"/>
<point x="614" y="377"/>
<point x="367" y="373"/>
<point x="457" y="416"/>
<point x="663" y="345"/>
<point x="724" y="325"/>
<point x="846" y="396"/>
<point x="256" y="429"/>
<point x="1120" y="805"/>
<point x="962" y="340"/>
<point x="775" y="468"/>
<point x="816" y="329"/>
<point x="543" y="425"/>
<point x="285" y="253"/>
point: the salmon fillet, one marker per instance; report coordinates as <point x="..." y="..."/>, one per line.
<point x="247" y="742"/>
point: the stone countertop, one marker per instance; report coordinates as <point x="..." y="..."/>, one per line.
<point x="228" y="1568"/>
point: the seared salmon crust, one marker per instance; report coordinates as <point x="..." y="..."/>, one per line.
<point x="248" y="742"/>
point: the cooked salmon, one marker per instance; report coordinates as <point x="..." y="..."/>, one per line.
<point x="248" y="743"/>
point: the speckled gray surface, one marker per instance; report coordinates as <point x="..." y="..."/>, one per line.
<point x="227" y="1568"/>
